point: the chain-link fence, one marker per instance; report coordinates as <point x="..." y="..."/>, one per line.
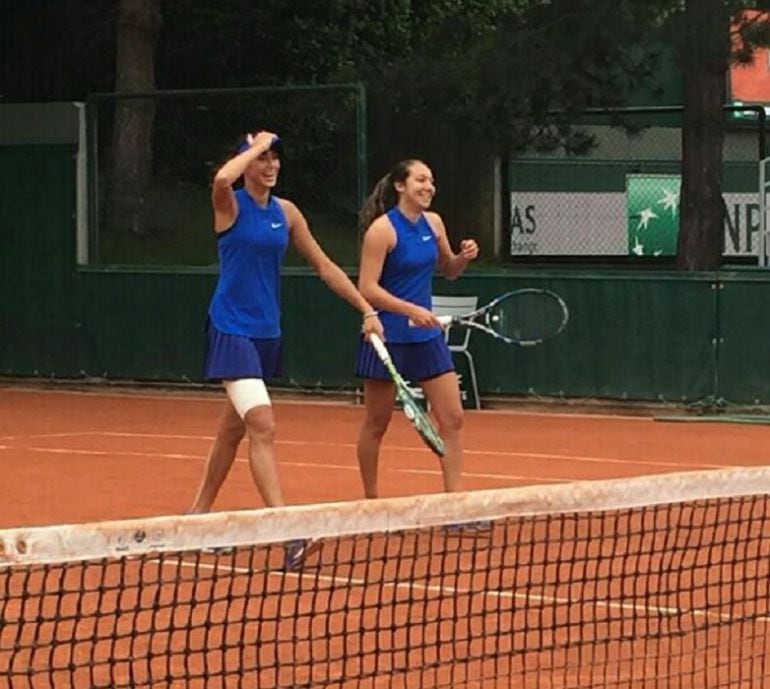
<point x="619" y="197"/>
<point x="152" y="158"/>
<point x="614" y="197"/>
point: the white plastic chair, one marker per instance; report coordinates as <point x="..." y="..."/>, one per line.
<point x="444" y="305"/>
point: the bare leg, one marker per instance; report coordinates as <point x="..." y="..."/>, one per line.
<point x="219" y="460"/>
<point x="379" y="397"/>
<point x="260" y="426"/>
<point x="443" y="393"/>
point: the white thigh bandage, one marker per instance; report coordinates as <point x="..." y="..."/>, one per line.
<point x="247" y="393"/>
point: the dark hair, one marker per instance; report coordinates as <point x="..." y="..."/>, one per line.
<point x="383" y="194"/>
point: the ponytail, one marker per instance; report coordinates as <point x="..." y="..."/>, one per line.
<point x="383" y="195"/>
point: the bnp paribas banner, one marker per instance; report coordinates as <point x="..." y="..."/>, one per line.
<point x="643" y="221"/>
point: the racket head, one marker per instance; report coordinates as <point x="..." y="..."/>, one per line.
<point x="527" y="316"/>
<point x="420" y="420"/>
<point x="412" y="410"/>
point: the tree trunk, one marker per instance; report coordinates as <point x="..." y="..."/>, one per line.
<point x="702" y="209"/>
<point x="138" y="24"/>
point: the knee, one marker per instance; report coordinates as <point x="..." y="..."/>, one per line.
<point x="377" y="423"/>
<point x="260" y="424"/>
<point x="451" y="420"/>
<point x="232" y="430"/>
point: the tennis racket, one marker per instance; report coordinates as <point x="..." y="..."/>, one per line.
<point x="524" y="317"/>
<point x="417" y="417"/>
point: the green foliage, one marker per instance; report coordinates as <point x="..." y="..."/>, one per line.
<point x="494" y="70"/>
<point x="750" y="30"/>
<point x="491" y="68"/>
<point x="483" y="69"/>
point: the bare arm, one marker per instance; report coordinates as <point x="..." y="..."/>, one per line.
<point x="222" y="197"/>
<point x="380" y="239"/>
<point x="450" y="264"/>
<point x="330" y="273"/>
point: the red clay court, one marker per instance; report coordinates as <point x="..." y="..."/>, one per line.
<point x="83" y="456"/>
<point x="575" y="589"/>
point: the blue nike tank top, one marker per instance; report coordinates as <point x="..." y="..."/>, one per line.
<point x="407" y="273"/>
<point x="247" y="297"/>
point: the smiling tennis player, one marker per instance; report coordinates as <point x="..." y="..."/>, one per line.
<point x="404" y="243"/>
<point x="243" y="336"/>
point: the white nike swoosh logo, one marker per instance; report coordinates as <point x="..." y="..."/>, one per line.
<point x="426" y="238"/>
<point x="276" y="225"/>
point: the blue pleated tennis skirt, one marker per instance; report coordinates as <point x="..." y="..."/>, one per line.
<point x="230" y="357"/>
<point x="415" y="361"/>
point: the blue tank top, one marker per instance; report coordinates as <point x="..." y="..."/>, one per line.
<point x="408" y="274"/>
<point x="247" y="297"/>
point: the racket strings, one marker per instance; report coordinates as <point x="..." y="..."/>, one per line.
<point x="527" y="317"/>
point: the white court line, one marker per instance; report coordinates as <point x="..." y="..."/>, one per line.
<point x="69" y="434"/>
<point x="400" y="448"/>
<point x="313" y="465"/>
<point x="322" y="465"/>
<point x="563" y="414"/>
<point x="436" y="472"/>
<point x="430" y="472"/>
<point x="116" y="453"/>
<point x="217" y="397"/>
<point x="653" y="610"/>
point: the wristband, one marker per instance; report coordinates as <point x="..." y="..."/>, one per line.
<point x="369" y="314"/>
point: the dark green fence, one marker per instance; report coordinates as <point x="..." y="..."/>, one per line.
<point x="38" y="333"/>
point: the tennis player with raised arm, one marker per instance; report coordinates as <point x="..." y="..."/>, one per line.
<point x="243" y="336"/>
<point x="403" y="245"/>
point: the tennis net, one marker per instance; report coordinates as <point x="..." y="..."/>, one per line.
<point x="659" y="581"/>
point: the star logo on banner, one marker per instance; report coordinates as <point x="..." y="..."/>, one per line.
<point x="644" y="218"/>
<point x="670" y="201"/>
<point x="652" y="203"/>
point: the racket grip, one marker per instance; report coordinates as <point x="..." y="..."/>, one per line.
<point x="379" y="346"/>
